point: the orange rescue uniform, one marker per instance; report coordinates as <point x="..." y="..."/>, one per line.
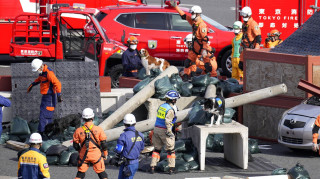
<point x="251" y="33"/>
<point x="271" y="44"/>
<point x="49" y="83"/>
<point x="200" y="42"/>
<point x="315" y="134"/>
<point x="94" y="154"/>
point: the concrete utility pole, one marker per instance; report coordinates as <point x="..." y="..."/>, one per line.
<point x="135" y="101"/>
<point x="146" y="125"/>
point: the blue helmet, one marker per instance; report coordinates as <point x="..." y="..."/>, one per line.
<point x="172" y="94"/>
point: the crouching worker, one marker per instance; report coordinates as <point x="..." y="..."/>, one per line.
<point x="90" y="141"/>
<point x="163" y="134"/>
<point x="216" y="106"/>
<point x="315" y="135"/>
<point x="129" y="146"/>
<point x="33" y="164"/>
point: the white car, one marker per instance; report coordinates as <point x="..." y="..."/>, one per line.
<point x="296" y="124"/>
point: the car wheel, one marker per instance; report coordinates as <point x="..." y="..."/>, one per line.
<point x="115" y="74"/>
<point x="226" y="63"/>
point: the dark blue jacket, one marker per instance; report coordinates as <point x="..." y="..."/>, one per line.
<point x="3" y="102"/>
<point x="131" y="61"/>
<point x="125" y="142"/>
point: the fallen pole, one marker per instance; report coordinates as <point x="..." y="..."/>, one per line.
<point x="147" y="125"/>
<point x="135" y="101"/>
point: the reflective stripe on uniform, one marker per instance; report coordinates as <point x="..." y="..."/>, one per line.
<point x="155" y="155"/>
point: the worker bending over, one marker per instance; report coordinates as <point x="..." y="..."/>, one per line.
<point x="273" y="39"/>
<point x="200" y="42"/>
<point x="50" y="88"/>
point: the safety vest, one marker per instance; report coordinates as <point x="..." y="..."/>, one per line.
<point x="236" y="46"/>
<point x="161" y="115"/>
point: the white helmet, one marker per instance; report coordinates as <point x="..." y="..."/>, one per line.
<point x="246" y="11"/>
<point x="36" y="64"/>
<point x="35" y="138"/>
<point x="188" y="38"/>
<point x="237" y="25"/>
<point x="196" y="10"/>
<point x="129" y="119"/>
<point x="87" y="113"/>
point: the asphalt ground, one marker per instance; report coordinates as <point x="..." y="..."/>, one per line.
<point x="272" y="156"/>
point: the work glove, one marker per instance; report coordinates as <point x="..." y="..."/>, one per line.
<point x="169" y="134"/>
<point x="173" y="3"/>
<point x="30" y="88"/>
<point x="60" y="99"/>
<point x="315" y="147"/>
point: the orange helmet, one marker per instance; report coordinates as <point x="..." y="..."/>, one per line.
<point x="274" y="32"/>
<point x="132" y="39"/>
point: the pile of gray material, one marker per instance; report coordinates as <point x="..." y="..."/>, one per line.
<point x="196" y="87"/>
<point x="304" y="41"/>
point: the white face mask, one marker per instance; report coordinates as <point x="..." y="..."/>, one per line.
<point x="237" y="31"/>
<point x="246" y="19"/>
<point x="133" y="47"/>
<point x="193" y="17"/>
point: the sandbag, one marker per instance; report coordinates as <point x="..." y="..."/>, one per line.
<point x="217" y="143"/>
<point x="183" y="145"/>
<point x="141" y="85"/>
<point x="229" y="112"/>
<point x="144" y="164"/>
<point x="52" y="160"/>
<point x="33" y="125"/>
<point x="253" y="146"/>
<point x="298" y="172"/>
<point x="111" y="145"/>
<point x="4" y="138"/>
<point x="64" y="157"/>
<point x="227" y="120"/>
<point x="73" y="160"/>
<point x="194" y="165"/>
<point x="233" y="81"/>
<point x="176" y="81"/>
<point x="186" y="89"/>
<point x="155" y="72"/>
<point x="56" y="150"/>
<point x="47" y="144"/>
<point x="19" y="126"/>
<point x="182" y="166"/>
<point x="209" y="141"/>
<point x="142" y="74"/>
<point x="198" y="116"/>
<point x="199" y="91"/>
<point x="213" y="80"/>
<point x="163" y="166"/>
<point x="188" y="157"/>
<point x="201" y="81"/>
<point x="162" y="86"/>
<point x="279" y="171"/>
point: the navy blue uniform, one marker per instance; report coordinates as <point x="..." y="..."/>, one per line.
<point x="6" y="103"/>
<point x="131" y="62"/>
<point x="124" y="144"/>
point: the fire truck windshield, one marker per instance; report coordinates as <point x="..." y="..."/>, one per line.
<point x="214" y="23"/>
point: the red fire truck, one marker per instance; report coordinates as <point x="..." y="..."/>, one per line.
<point x="57" y="36"/>
<point x="285" y="16"/>
<point x="10" y="9"/>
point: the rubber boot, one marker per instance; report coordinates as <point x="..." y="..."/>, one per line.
<point x="171" y="170"/>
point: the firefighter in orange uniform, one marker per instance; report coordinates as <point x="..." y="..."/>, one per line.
<point x="251" y="31"/>
<point x="200" y="43"/>
<point x="50" y="88"/>
<point x="90" y="141"/>
<point x="315" y="135"/>
<point x="273" y="39"/>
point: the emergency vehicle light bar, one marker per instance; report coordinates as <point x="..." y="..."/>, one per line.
<point x="167" y="2"/>
<point x="79" y="6"/>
